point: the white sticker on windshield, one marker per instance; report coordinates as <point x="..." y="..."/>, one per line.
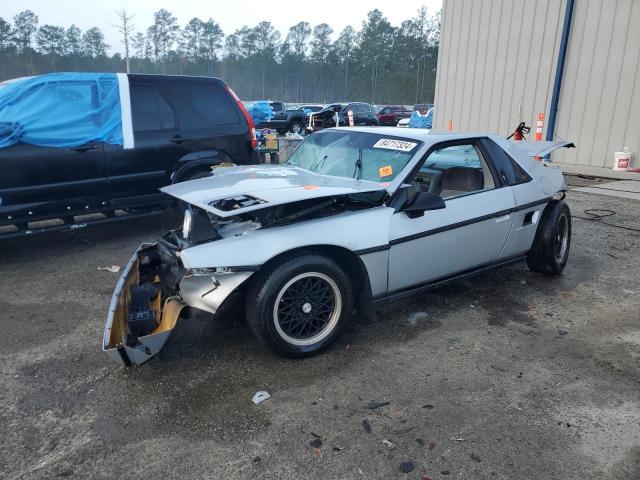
<point x="391" y="144"/>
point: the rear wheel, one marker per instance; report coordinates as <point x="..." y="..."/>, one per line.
<point x="550" y="250"/>
<point x="300" y="306"/>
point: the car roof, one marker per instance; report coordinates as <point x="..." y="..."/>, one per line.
<point x="421" y="134"/>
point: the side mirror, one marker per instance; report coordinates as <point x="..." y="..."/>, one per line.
<point x="423" y="201"/>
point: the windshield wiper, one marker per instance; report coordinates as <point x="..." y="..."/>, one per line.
<point x="358" y="170"/>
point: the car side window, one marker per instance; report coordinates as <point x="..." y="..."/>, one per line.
<point x="454" y="171"/>
<point x="150" y="111"/>
<point x="276" y="106"/>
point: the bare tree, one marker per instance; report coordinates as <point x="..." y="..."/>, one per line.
<point x="125" y="27"/>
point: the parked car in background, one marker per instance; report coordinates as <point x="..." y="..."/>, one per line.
<point x="355" y="216"/>
<point x="284" y="120"/>
<point x="80" y="143"/>
<point x="423" y="108"/>
<point x="310" y="108"/>
<point x="391" y="114"/>
<point x="337" y="114"/>
<point x="418" y="119"/>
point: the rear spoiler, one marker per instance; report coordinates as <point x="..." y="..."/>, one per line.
<point x="541" y="149"/>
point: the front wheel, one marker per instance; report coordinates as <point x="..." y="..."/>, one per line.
<point x="300" y="306"/>
<point x="550" y="250"/>
<point x="296" y="127"/>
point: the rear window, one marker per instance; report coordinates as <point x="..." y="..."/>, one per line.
<point x="150" y="111"/>
<point x="205" y="104"/>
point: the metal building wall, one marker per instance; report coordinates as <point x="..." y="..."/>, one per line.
<point x="497" y="63"/>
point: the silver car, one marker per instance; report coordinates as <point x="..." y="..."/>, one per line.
<point x="357" y="215"/>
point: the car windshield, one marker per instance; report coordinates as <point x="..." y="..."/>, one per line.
<point x="338" y="153"/>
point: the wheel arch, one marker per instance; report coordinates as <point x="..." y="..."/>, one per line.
<point x="197" y="161"/>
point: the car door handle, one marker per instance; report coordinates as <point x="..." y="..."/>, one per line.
<point x="85" y="148"/>
<point x="178" y="139"/>
<point x="503" y="218"/>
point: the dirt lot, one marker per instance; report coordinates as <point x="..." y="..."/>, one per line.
<point x="509" y="375"/>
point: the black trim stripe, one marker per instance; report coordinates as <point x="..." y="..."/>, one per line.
<point x="452" y="226"/>
<point x="379" y="248"/>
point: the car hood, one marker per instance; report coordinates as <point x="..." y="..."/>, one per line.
<point x="247" y="188"/>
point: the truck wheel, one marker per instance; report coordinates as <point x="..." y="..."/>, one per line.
<point x="550" y="249"/>
<point x="300" y="306"/>
<point x="296" y="127"/>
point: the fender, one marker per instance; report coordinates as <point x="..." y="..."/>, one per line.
<point x="197" y="161"/>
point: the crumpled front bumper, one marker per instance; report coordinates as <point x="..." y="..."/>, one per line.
<point x="205" y="291"/>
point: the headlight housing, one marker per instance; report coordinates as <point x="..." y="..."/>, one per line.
<point x="187" y="223"/>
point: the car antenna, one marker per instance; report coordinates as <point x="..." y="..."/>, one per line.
<point x="358" y="170"/>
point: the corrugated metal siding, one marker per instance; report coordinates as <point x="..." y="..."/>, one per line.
<point x="600" y="101"/>
<point x="497" y="61"/>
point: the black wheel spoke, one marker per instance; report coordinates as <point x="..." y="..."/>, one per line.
<point x="306" y="307"/>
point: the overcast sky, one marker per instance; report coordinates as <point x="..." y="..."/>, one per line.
<point x="229" y="14"/>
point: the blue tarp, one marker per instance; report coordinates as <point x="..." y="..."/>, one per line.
<point x="260" y="112"/>
<point x="61" y="110"/>
<point x="421" y="121"/>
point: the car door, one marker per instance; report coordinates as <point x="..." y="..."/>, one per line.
<point x="360" y="114"/>
<point x="470" y="232"/>
<point x="279" y="120"/>
<point x="159" y="143"/>
<point x="46" y="180"/>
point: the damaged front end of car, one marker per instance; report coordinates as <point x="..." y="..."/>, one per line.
<point x="152" y="292"/>
<point x="145" y="305"/>
<point x="162" y="278"/>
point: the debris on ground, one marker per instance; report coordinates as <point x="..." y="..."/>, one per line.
<point x="112" y="269"/>
<point x="316" y="443"/>
<point x="337" y="448"/>
<point x="257" y="459"/>
<point x="428" y="405"/>
<point x="374" y="405"/>
<point x="562" y="332"/>
<point x="389" y="444"/>
<point x="444" y="472"/>
<point x="406" y="467"/>
<point x="414" y="317"/>
<point x="260" y="397"/>
<point x="432" y="445"/>
<point x="420" y="442"/>
<point x="366" y="425"/>
<point x="475" y="457"/>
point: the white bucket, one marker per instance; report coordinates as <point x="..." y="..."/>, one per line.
<point x="622" y="160"/>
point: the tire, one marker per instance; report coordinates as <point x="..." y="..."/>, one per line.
<point x="296" y="127"/>
<point x="550" y="250"/>
<point x="279" y="318"/>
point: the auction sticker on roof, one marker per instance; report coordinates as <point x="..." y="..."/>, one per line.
<point x="392" y="144"/>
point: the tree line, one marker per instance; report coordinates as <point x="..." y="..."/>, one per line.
<point x="378" y="63"/>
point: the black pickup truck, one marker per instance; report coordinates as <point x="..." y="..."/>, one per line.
<point x="174" y="128"/>
<point x="284" y="120"/>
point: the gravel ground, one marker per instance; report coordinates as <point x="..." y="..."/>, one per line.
<point x="508" y="375"/>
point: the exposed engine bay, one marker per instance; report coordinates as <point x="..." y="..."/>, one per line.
<point x="206" y="226"/>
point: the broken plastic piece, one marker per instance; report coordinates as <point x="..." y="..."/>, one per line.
<point x="112" y="269"/>
<point x="260" y="397"/>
